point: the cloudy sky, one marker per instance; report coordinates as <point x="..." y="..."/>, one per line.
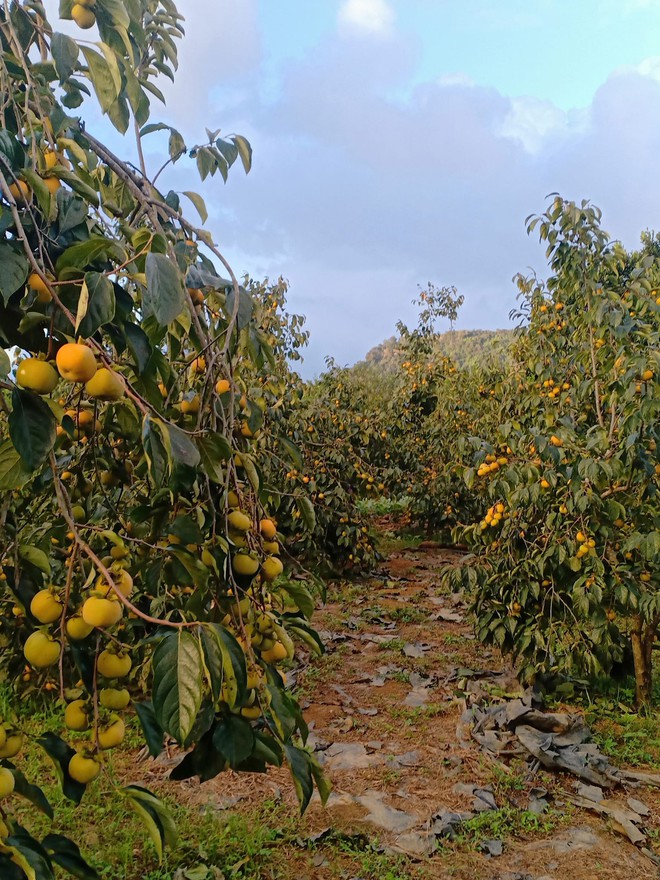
<point x="398" y="142"/>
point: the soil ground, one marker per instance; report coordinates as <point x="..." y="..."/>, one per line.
<point x="383" y="705"/>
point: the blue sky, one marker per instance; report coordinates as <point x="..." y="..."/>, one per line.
<point x="398" y="142"/>
<point x="560" y="50"/>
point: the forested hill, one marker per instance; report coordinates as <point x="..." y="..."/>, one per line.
<point x="462" y="346"/>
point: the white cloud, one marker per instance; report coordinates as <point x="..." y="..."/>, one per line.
<point x="455" y="79"/>
<point x="364" y="186"/>
<point x="648" y="67"/>
<point x="534" y="123"/>
<point x="370" y="16"/>
<point x="358" y="194"/>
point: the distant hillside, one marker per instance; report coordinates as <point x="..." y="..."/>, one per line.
<point x="462" y="346"/>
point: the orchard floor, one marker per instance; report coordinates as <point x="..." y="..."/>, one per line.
<point x="383" y="704"/>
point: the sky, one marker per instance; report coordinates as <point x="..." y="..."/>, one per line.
<point x="400" y="142"/>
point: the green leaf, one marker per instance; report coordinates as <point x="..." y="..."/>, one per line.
<point x="30" y="855"/>
<point x="61" y="753"/>
<point x="34" y="556"/>
<point x="323" y="784"/>
<point x="13" y="270"/>
<point x="284" y="710"/>
<point x="213" y="661"/>
<point x="32" y="427"/>
<point x="119" y="114"/>
<point x="65" y="55"/>
<point x="307" y="512"/>
<point x="233" y="737"/>
<point x="228" y="150"/>
<point x="251" y="472"/>
<point x="72" y="212"/>
<point x="164" y="297"/>
<point x="186" y="529"/>
<point x="153" y="732"/>
<point x="113" y="65"/>
<point x="245" y="306"/>
<point x="183" y="451"/>
<point x="9" y="870"/>
<point x="305" y="633"/>
<point x="154" y="814"/>
<point x="267" y="749"/>
<point x="101" y="305"/>
<point x="118" y="13"/>
<point x="5" y="363"/>
<point x="193" y="565"/>
<point x="83" y="253"/>
<point x="244" y="151"/>
<point x="178" y="683"/>
<point x="204" y="761"/>
<point x="13" y="473"/>
<point x="176" y="146"/>
<point x="213" y="450"/>
<point x="156" y="451"/>
<point x="233" y="660"/>
<point x="292" y="452"/>
<point x="199" y="204"/>
<point x="300" y="765"/>
<point x="81" y="311"/>
<point x="31" y="792"/>
<point x="139" y="346"/>
<point x="101" y="77"/>
<point x="47" y="203"/>
<point x="66" y="854"/>
<point x="300" y="595"/>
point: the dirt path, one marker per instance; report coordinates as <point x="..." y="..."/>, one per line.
<point x="386" y="703"/>
<point x="383" y="706"/>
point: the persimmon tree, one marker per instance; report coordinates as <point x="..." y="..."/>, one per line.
<point x="141" y="562"/>
<point x="567" y="566"/>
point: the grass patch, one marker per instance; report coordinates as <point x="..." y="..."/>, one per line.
<point x="318" y="673"/>
<point x="626" y="737"/>
<point x="407" y="614"/>
<point x="507" y="823"/>
<point x="383" y="506"/>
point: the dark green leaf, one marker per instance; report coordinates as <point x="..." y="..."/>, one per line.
<point x="32" y="427"/>
<point x="31" y="792"/>
<point x="213" y="449"/>
<point x="139" y="346"/>
<point x="307" y="512"/>
<point x="61" y="753"/>
<point x="300" y="765"/>
<point x="245" y="307"/>
<point x="101" y="304"/>
<point x="153" y="732"/>
<point x="72" y="212"/>
<point x="178" y="683"/>
<point x="102" y="78"/>
<point x="13" y="473"/>
<point x="233" y="659"/>
<point x="233" y="737"/>
<point x="154" y="814"/>
<point x="66" y="854"/>
<point x="204" y="761"/>
<point x="155" y="450"/>
<point x="65" y="55"/>
<point x="292" y="452"/>
<point x="300" y="595"/>
<point x="164" y="297"/>
<point x="13" y="270"/>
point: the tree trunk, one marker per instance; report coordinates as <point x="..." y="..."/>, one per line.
<point x="643" y="636"/>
